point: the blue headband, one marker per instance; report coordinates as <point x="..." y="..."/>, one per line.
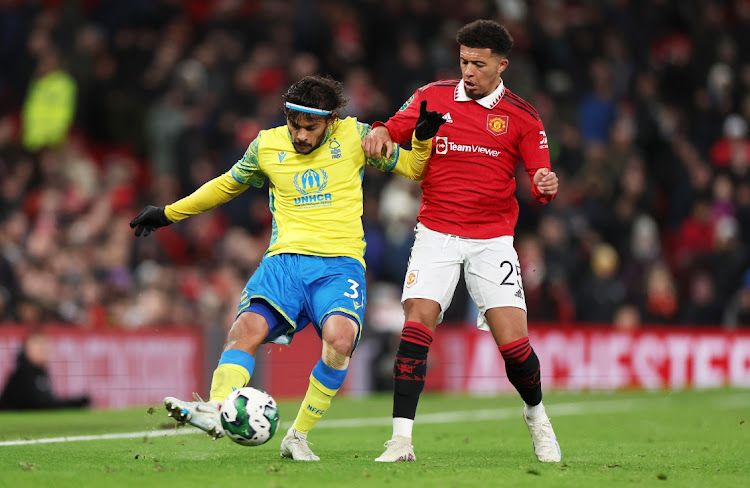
<point x="309" y="110"/>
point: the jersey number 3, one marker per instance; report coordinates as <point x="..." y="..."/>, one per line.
<point x="354" y="292"/>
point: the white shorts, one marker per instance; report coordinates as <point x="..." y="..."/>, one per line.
<point x="491" y="270"/>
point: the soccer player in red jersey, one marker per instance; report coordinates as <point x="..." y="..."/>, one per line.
<point x="467" y="217"/>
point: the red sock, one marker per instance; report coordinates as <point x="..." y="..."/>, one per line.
<point x="522" y="368"/>
<point x="410" y="369"/>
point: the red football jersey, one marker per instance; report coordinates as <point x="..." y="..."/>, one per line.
<point x="469" y="189"/>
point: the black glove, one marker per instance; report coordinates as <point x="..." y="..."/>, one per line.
<point x="428" y="123"/>
<point x="150" y="219"/>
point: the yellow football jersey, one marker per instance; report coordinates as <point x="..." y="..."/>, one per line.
<point x="316" y="198"/>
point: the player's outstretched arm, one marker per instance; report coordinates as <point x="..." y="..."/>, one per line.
<point x="212" y="194"/>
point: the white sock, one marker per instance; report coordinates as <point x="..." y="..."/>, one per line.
<point x="402" y="426"/>
<point x="534" y="411"/>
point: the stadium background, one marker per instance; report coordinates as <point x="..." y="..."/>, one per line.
<point x="106" y="106"/>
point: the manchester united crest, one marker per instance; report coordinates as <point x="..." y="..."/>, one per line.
<point x="411" y="278"/>
<point x="497" y="124"/>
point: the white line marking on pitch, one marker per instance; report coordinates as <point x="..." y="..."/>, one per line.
<point x="556" y="410"/>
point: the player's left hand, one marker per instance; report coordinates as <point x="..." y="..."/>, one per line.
<point x="428" y="123"/>
<point x="546" y="181"/>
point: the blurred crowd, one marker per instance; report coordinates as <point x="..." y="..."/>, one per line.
<point x="106" y="106"/>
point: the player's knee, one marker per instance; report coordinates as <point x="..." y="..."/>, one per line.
<point x="507" y="324"/>
<point x="248" y="330"/>
<point x="339" y="337"/>
<point x="422" y="310"/>
<point x="340" y="330"/>
<point x="343" y="341"/>
<point x="337" y="357"/>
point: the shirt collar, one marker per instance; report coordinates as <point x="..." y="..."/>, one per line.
<point x="488" y="102"/>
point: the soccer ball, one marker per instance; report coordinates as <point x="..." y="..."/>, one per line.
<point x="249" y="416"/>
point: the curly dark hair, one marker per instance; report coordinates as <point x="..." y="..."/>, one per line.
<point x="320" y="92"/>
<point x="486" y="34"/>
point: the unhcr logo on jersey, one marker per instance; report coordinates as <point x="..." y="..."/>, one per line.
<point x="311" y="185"/>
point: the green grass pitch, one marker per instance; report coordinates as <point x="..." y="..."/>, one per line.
<point x="634" y="439"/>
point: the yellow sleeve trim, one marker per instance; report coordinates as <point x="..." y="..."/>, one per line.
<point x="413" y="164"/>
<point x="212" y="194"/>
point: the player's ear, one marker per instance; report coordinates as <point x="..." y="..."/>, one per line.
<point x="332" y="118"/>
<point x="502" y="66"/>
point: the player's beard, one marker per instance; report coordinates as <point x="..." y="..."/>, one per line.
<point x="303" y="147"/>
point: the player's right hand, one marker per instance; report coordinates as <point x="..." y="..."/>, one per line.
<point x="150" y="219"/>
<point x="378" y="144"/>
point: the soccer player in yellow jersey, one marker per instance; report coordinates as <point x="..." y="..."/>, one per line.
<point x="313" y="270"/>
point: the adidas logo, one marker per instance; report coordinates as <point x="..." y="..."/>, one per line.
<point x="447" y="118"/>
<point x="519" y="294"/>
